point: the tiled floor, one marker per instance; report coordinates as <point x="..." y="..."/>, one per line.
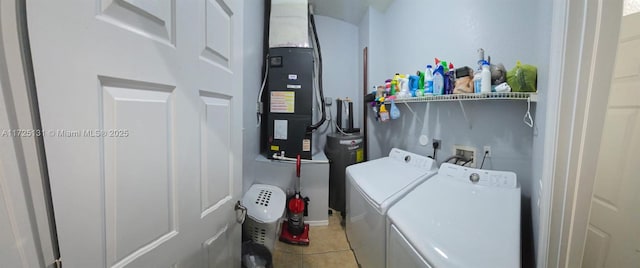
<point x="328" y="247"/>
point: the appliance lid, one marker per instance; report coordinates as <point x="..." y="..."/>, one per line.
<point x="264" y="203"/>
<point x="382" y="178"/>
<point x="459" y="223"/>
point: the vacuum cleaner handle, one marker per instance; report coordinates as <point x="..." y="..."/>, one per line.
<point x="298" y="163"/>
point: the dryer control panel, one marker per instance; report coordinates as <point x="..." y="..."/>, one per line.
<point x="412" y="159"/>
<point x="492" y="178"/>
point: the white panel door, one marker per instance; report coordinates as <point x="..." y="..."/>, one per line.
<point x="141" y="110"/>
<point x="613" y="235"/>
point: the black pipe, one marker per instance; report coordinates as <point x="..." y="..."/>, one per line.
<point x="339" y="114"/>
<point x="350" y="119"/>
<point x="265" y="53"/>
<point x="317" y="43"/>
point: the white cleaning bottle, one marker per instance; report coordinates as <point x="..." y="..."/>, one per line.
<point x="486" y="78"/>
<point x="477" y="81"/>
<point x="404" y="88"/>
<point x="428" y="80"/>
<point x="438" y="81"/>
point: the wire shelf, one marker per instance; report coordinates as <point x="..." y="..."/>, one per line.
<point x="532" y="97"/>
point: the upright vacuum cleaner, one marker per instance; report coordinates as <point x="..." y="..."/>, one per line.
<point x="294" y="230"/>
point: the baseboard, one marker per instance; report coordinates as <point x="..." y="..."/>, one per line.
<point x="317" y="223"/>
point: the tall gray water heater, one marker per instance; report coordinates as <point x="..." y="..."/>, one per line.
<point x="342" y="151"/>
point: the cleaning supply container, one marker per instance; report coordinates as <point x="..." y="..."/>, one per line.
<point x="265" y="207"/>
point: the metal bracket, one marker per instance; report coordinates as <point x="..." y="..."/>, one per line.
<point x="243" y="212"/>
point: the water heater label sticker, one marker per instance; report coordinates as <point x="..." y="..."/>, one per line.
<point x="294" y="86"/>
<point x="351" y="142"/>
<point x="280" y="129"/>
<point x="293" y="77"/>
<point x="283" y="102"/>
<point x="306" y="145"/>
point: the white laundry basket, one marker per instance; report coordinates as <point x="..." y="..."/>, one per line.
<point x="265" y="207"/>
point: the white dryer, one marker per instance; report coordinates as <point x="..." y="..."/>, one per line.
<point x="372" y="187"/>
<point x="461" y="217"/>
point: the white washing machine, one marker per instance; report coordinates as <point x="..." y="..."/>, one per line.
<point x="372" y="187"/>
<point x="461" y="217"/>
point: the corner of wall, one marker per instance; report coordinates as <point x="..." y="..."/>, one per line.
<point x="252" y="78"/>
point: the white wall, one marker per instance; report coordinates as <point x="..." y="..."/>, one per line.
<point x="372" y="23"/>
<point x="252" y="65"/>
<point x="340" y="55"/>
<point x="543" y="52"/>
<point x="410" y="34"/>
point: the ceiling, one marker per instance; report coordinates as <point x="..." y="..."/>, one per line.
<point x="350" y="11"/>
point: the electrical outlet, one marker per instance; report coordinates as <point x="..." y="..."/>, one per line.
<point x="467" y="152"/>
<point x="437" y="143"/>
<point x="487" y="150"/>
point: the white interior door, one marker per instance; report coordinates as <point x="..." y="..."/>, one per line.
<point x="161" y="81"/>
<point x="613" y="238"/>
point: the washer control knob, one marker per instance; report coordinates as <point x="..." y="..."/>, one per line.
<point x="474" y="177"/>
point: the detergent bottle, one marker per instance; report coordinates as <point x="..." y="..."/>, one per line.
<point x="404" y="87"/>
<point x="438" y="81"/>
<point x="486" y="78"/>
<point x="383" y="113"/>
<point x="420" y="75"/>
<point x="428" y="80"/>
<point x="395" y="84"/>
<point x="477" y="81"/>
<point x="414" y="86"/>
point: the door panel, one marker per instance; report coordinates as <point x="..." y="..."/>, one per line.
<point x="613" y="236"/>
<point x="153" y="19"/>
<point x="216" y="154"/>
<point x="163" y="81"/>
<point x="219" y="18"/>
<point x="139" y="165"/>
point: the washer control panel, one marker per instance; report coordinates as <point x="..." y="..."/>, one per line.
<point x="493" y="178"/>
<point x="412" y="159"/>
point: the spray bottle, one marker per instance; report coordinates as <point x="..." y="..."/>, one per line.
<point x="445" y="74"/>
<point x="420" y="75"/>
<point x="451" y="79"/>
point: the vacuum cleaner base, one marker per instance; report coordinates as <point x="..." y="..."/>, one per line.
<point x="302" y="239"/>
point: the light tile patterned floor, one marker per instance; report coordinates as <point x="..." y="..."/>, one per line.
<point x="328" y="247"/>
